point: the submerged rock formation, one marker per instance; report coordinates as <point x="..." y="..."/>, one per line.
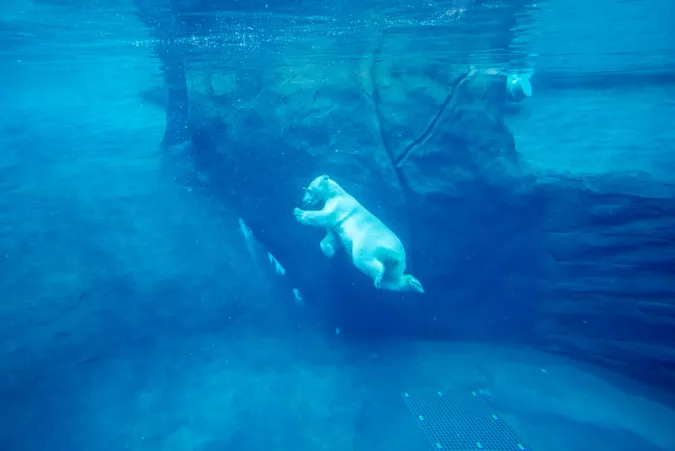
<point x="611" y="298"/>
<point x="451" y="186"/>
<point x="503" y="251"/>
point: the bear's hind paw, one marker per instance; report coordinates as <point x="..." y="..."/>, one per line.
<point x="414" y="284"/>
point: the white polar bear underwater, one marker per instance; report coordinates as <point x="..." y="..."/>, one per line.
<point x="375" y="250"/>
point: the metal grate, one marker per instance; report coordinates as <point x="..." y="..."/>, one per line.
<point x="461" y="420"/>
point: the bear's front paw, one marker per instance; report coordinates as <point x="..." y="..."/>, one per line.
<point x="327" y="249"/>
<point x="299" y="214"/>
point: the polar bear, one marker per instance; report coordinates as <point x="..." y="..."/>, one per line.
<point x="375" y="250"/>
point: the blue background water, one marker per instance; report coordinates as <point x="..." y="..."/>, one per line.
<point x="134" y="317"/>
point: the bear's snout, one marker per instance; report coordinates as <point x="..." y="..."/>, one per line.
<point x="309" y="199"/>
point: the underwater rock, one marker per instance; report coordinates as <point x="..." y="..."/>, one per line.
<point x="455" y="193"/>
<point x="610" y="297"/>
<point x="501" y="251"/>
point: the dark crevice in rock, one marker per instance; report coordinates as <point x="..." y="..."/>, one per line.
<point x="377" y="105"/>
<point x="160" y="17"/>
<point x="400" y="175"/>
<point x="432" y="123"/>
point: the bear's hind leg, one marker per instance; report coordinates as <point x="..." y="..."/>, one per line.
<point x="374" y="268"/>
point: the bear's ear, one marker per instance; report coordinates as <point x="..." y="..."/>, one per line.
<point x="324" y="178"/>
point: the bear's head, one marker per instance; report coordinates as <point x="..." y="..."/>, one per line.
<point x="320" y="189"/>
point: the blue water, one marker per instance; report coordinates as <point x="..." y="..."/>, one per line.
<point x="137" y="139"/>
